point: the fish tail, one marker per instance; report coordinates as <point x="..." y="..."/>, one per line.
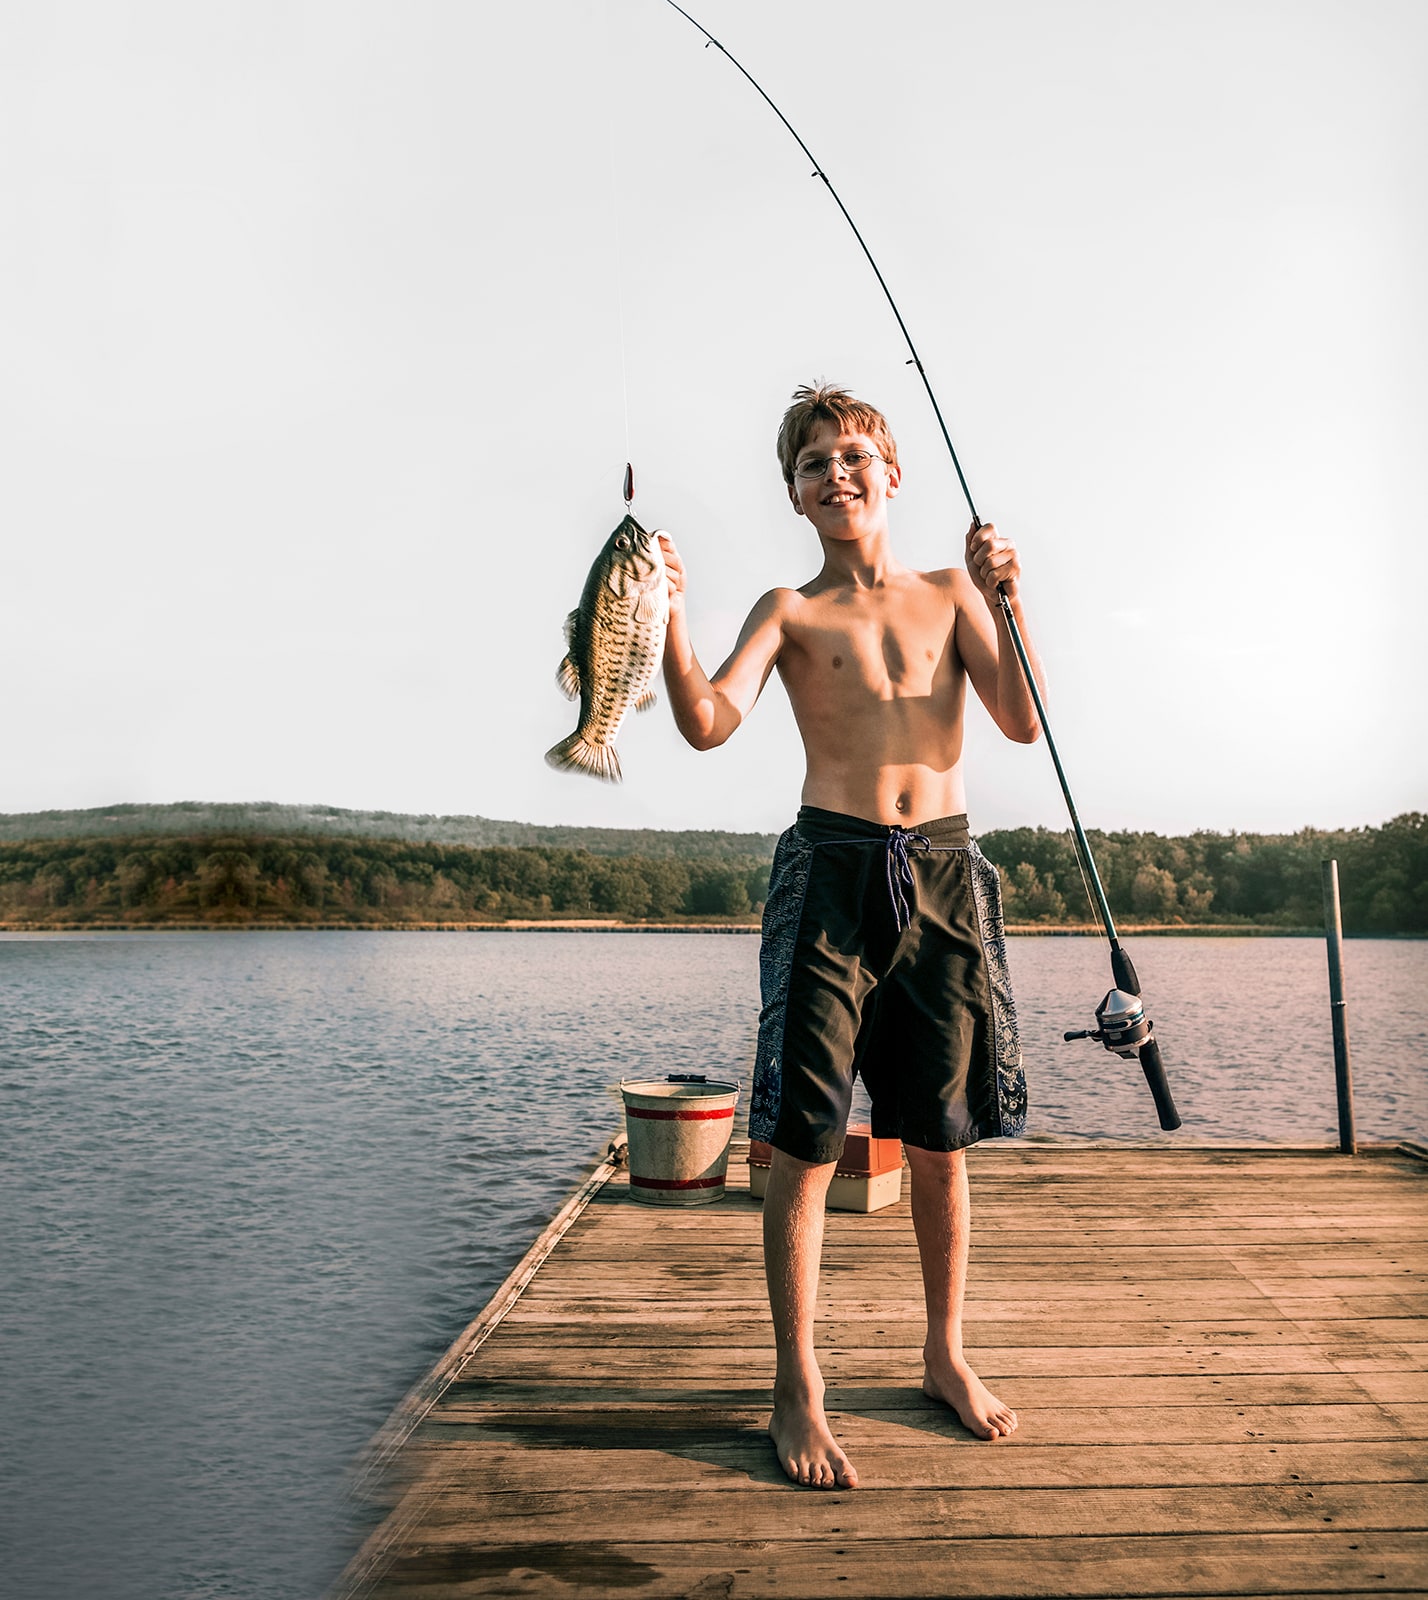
<point x="576" y="754"/>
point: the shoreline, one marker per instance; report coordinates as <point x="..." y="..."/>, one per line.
<point x="602" y="925"/>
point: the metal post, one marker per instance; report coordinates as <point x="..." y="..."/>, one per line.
<point x="1343" y="1072"/>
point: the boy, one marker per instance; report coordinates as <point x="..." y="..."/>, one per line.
<point x="882" y="950"/>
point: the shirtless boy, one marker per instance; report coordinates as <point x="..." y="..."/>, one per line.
<point x="882" y="949"/>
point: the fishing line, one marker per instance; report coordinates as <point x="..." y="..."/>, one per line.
<point x="1086" y="885"/>
<point x="1123" y="1028"/>
<point x="619" y="209"/>
<point x="818" y="172"/>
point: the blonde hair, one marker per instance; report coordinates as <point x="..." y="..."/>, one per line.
<point x="826" y="402"/>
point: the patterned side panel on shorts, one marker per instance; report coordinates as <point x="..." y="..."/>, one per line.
<point x="1011" y="1080"/>
<point x="783" y="911"/>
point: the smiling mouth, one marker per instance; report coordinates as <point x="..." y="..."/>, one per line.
<point x="842" y="498"/>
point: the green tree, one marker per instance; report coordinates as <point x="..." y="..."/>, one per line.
<point x="1153" y="892"/>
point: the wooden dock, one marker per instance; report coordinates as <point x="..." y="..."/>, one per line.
<point x="1219" y="1359"/>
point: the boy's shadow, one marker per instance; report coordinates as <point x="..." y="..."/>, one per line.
<point x="899" y="1405"/>
<point x="722" y="1429"/>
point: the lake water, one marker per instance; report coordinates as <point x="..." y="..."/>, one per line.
<point x="253" y="1185"/>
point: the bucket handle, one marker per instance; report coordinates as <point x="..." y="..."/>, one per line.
<point x="686" y="1077"/>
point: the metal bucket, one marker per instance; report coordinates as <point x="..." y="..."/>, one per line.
<point x="678" y="1130"/>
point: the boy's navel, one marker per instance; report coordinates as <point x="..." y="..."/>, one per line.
<point x="837" y="661"/>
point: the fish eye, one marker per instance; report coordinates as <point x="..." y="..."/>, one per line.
<point x="623" y="542"/>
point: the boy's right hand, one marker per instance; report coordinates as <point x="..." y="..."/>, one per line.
<point x="674" y="570"/>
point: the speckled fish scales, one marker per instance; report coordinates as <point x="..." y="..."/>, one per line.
<point x="616" y="639"/>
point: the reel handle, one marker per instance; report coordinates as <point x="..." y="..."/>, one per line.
<point x="1159" y="1086"/>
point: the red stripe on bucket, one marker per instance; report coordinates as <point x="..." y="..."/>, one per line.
<point x="676" y="1183"/>
<point x="679" y="1116"/>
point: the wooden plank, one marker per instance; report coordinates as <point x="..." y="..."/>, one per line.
<point x="1151" y="1236"/>
<point x="1122" y="1302"/>
<point x="1394" y="1387"/>
<point x="1360" y="1330"/>
<point x="1294" y="1290"/>
<point x="556" y="1515"/>
<point x="613" y="1359"/>
<point x="1046" y="1238"/>
<point x="590" y="1384"/>
<point x="649" y="1348"/>
<point x="1345" y="1275"/>
<point x="744" y="1318"/>
<point x="464" y="1453"/>
<point x="894" y="1415"/>
<point x="1234" y="1208"/>
<point x="1080" y="1210"/>
<point x="927" y="1568"/>
<point x="732" y="1290"/>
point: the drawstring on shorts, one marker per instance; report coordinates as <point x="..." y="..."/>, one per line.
<point x="900" y="878"/>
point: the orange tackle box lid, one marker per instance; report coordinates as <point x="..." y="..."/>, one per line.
<point x="863" y="1156"/>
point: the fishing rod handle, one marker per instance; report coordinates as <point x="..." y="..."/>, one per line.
<point x="1159" y="1086"/>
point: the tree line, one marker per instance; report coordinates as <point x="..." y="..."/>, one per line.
<point x="243" y="878"/>
<point x="1267" y="880"/>
<point x="271" y="819"/>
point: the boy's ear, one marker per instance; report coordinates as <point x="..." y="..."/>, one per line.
<point x="793" y="498"/>
<point x="894" y="481"/>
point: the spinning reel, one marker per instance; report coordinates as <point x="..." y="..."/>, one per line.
<point x="1123" y="1026"/>
<point x="1125" y="1030"/>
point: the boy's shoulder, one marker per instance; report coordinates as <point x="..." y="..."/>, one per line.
<point x="785" y="605"/>
<point x="952" y="582"/>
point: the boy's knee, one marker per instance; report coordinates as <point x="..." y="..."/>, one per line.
<point x="917" y="1152"/>
<point x="790" y="1176"/>
<point x="946" y="1163"/>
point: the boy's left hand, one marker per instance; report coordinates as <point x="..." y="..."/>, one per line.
<point x="674" y="573"/>
<point x="992" y="560"/>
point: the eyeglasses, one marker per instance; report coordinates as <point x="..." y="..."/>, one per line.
<point x="850" y="460"/>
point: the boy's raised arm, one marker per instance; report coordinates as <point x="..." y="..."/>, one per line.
<point x="984" y="640"/>
<point x="707" y="711"/>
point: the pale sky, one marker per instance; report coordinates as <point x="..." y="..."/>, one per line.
<point x="323" y="322"/>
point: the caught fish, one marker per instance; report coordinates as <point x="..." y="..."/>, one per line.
<point x="616" y="640"/>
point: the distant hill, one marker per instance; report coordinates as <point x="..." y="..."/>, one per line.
<point x="207" y="818"/>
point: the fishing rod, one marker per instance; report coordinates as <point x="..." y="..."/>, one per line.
<point x="1122" y="1025"/>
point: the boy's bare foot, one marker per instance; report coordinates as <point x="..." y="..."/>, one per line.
<point x="804" y="1443"/>
<point x="955" y="1384"/>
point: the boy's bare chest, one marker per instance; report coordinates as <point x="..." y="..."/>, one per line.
<point x="887" y="648"/>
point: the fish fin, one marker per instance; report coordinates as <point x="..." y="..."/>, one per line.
<point x="568" y="677"/>
<point x="648" y="608"/>
<point x="570" y="622"/>
<point x="575" y="754"/>
<point x="646" y="700"/>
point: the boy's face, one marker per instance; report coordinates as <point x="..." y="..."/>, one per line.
<point x="840" y="504"/>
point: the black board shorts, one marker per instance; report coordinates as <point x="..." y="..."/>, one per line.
<point x="884" y="955"/>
